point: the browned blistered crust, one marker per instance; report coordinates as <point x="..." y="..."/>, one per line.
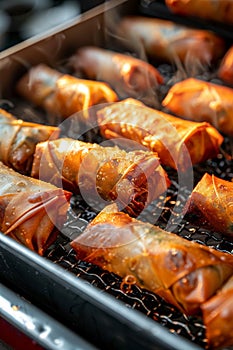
<point x="184" y="273"/>
<point x="127" y="75"/>
<point x="19" y="140"/>
<point x="198" y="100"/>
<point x="133" y="178"/>
<point x="212" y="201"/>
<point x="179" y="143"/>
<point x="213" y="10"/>
<point x="61" y="94"/>
<point x="31" y="211"/>
<point x="167" y="41"/>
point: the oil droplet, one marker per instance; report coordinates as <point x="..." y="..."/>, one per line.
<point x="58" y="342"/>
<point x="21" y="184"/>
<point x="15" y="307"/>
<point x="37" y="197"/>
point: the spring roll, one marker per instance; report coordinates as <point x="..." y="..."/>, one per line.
<point x="218" y="316"/>
<point x="184" y="273"/>
<point x="213" y="10"/>
<point x="225" y="71"/>
<point x="198" y="100"/>
<point x="133" y="179"/>
<point x="31" y="211"/>
<point x="18" y="141"/>
<point x="167" y="41"/>
<point x="179" y="143"/>
<point x="211" y="202"/>
<point x="61" y="94"/>
<point x="127" y="75"/>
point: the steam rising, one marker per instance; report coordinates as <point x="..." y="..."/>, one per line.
<point x="134" y="47"/>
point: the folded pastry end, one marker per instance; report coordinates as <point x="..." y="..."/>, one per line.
<point x="31" y="211"/>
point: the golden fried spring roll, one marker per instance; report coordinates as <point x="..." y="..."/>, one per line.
<point x="127" y="75"/>
<point x="133" y="179"/>
<point x="218" y="317"/>
<point x="212" y="201"/>
<point x="184" y="273"/>
<point x="61" y="94"/>
<point x="18" y="141"/>
<point x="199" y="100"/>
<point x="216" y="10"/>
<point x="179" y="143"/>
<point x="225" y="71"/>
<point x="167" y="41"/>
<point x="31" y="211"/>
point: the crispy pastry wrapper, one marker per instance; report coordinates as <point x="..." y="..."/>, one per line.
<point x="167" y="41"/>
<point x="19" y="139"/>
<point x="212" y="203"/>
<point x="179" y="143"/>
<point x="127" y="75"/>
<point x="225" y="71"/>
<point x="62" y="94"/>
<point x="213" y="10"/>
<point x="198" y="100"/>
<point x="184" y="273"/>
<point x="31" y="211"/>
<point x="218" y="316"/>
<point x="133" y="179"/>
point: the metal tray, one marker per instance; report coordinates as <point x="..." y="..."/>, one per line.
<point x="82" y="297"/>
<point x="30" y="325"/>
<point x="88" y="311"/>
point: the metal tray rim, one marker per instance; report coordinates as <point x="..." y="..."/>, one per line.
<point x="107" y="303"/>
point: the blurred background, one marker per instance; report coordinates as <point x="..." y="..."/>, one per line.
<point x="23" y="19"/>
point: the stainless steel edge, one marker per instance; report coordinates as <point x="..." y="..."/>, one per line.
<point x="95" y="300"/>
<point x="34" y="323"/>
